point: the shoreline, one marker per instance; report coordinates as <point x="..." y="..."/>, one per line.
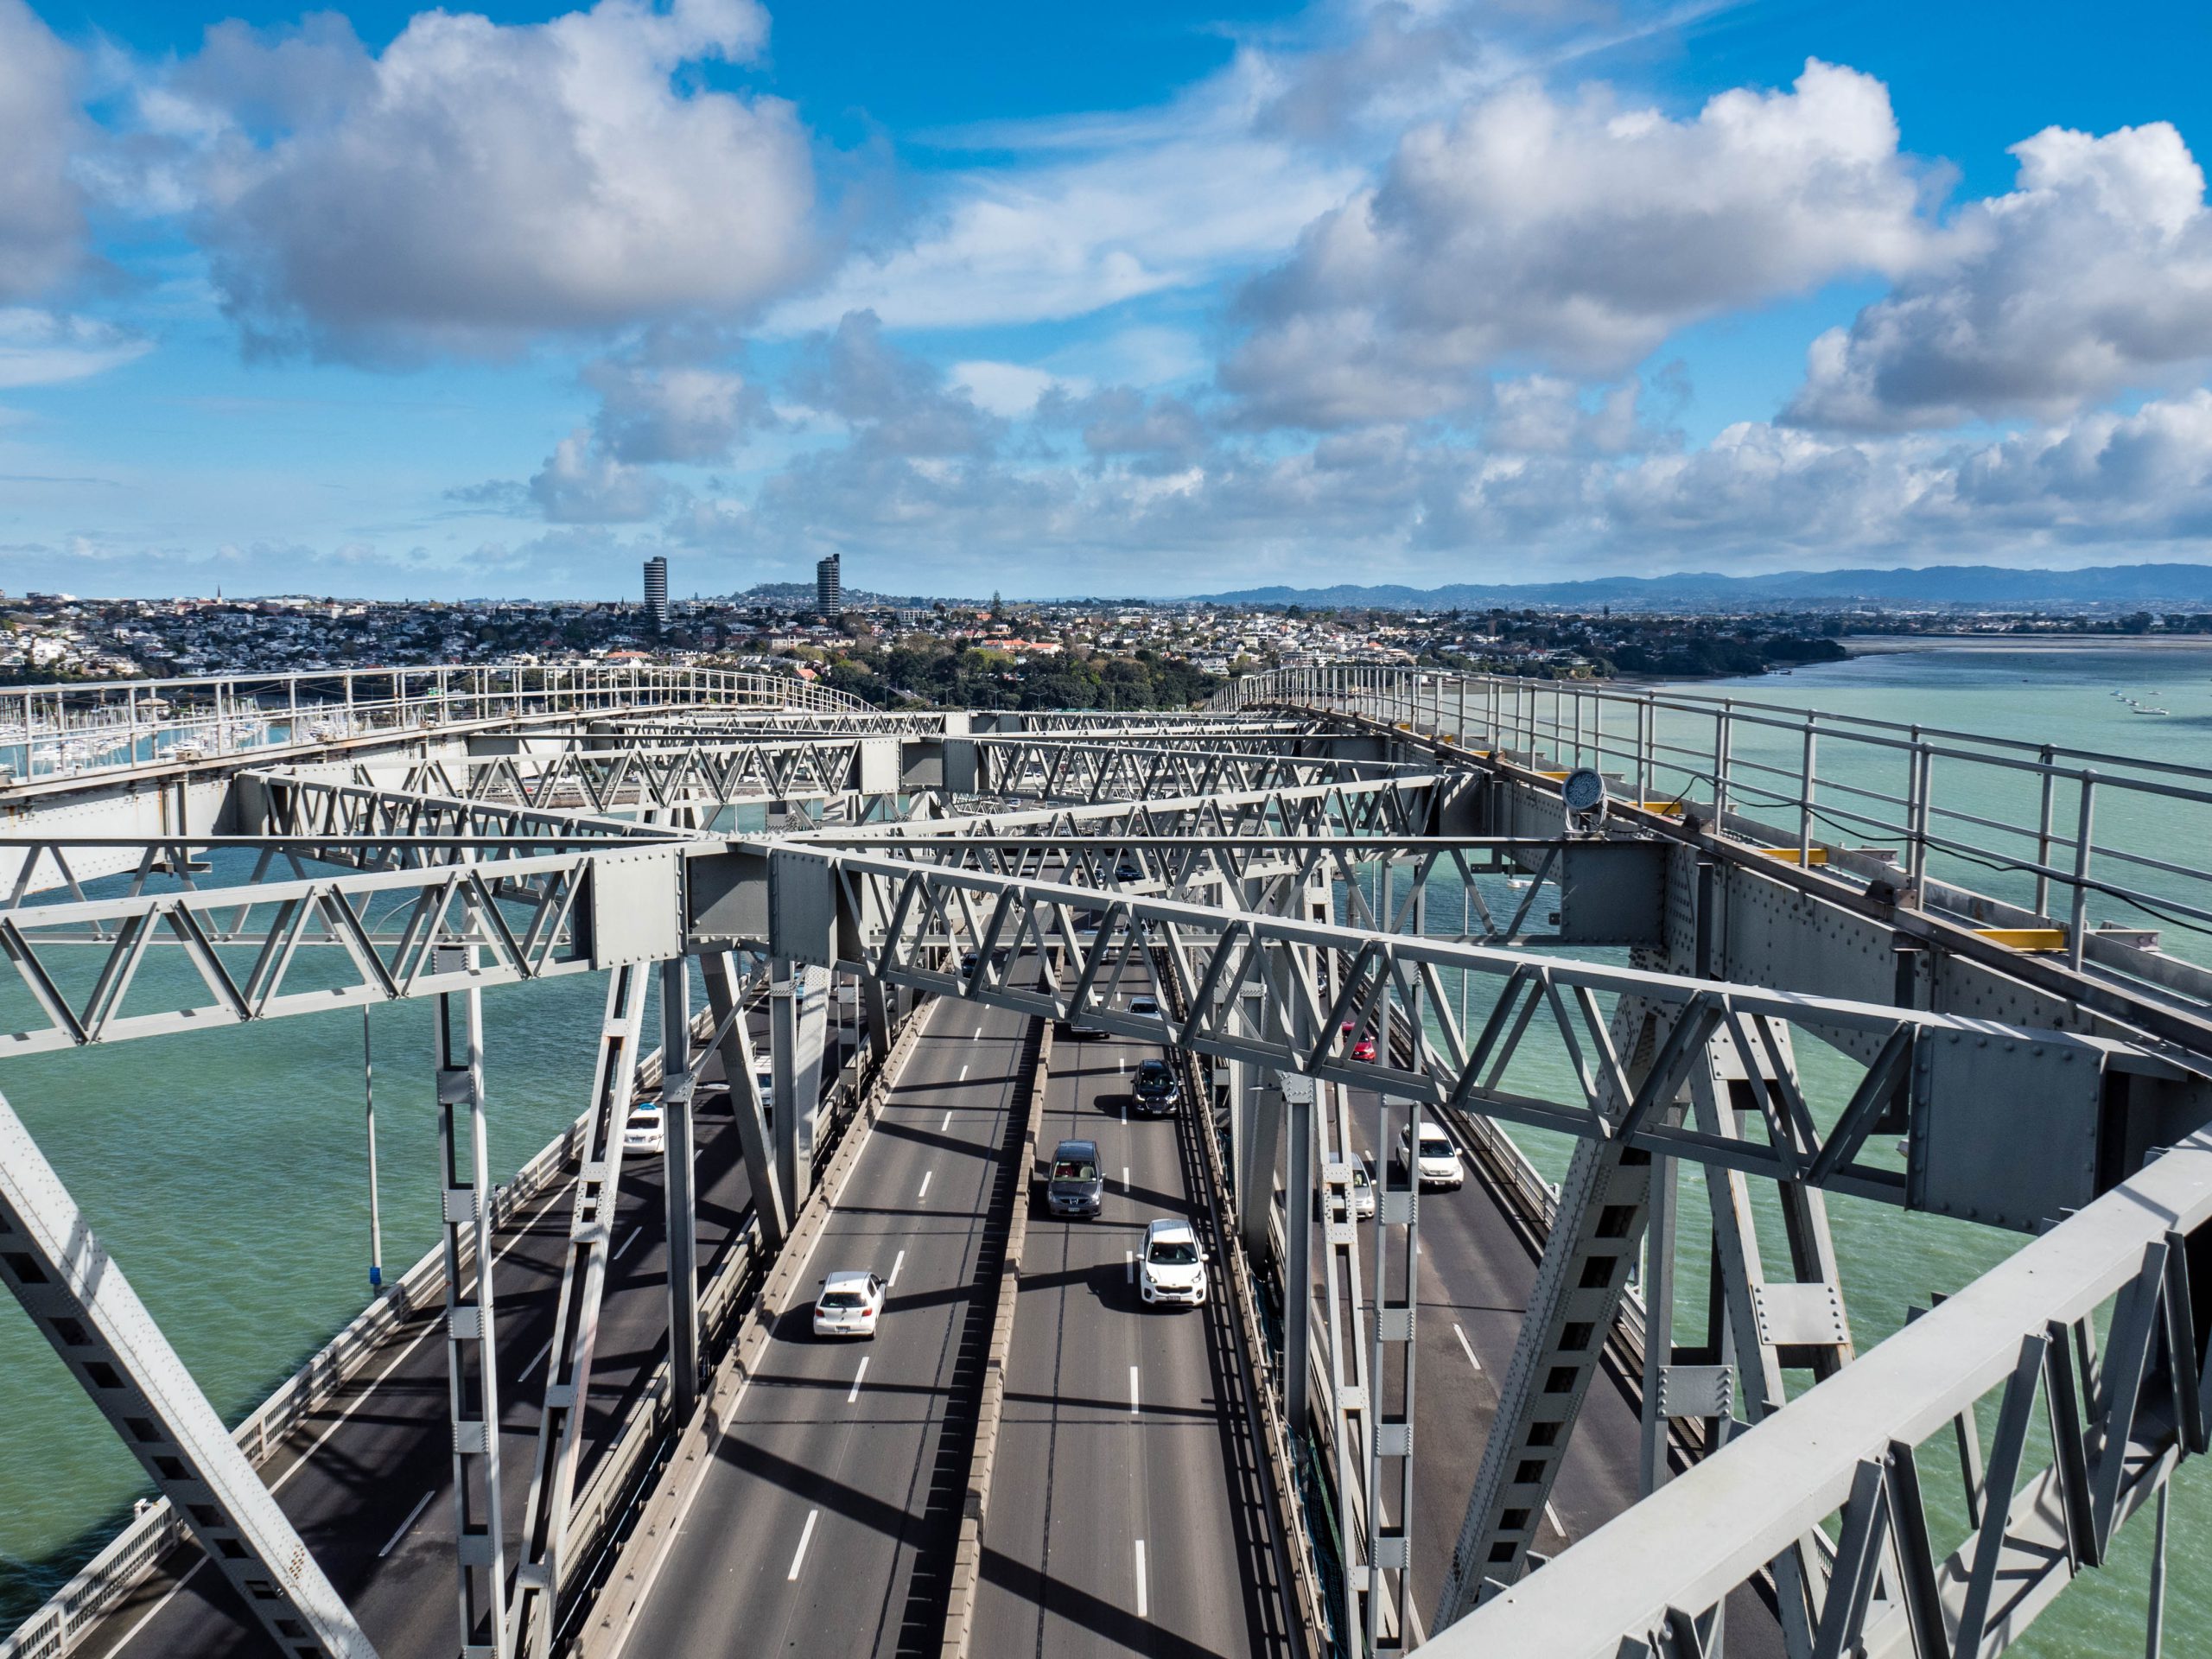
<point x="1885" y="644"/>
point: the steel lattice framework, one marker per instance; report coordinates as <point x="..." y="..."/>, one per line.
<point x="1331" y="854"/>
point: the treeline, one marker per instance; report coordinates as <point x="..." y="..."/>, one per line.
<point x="1717" y="654"/>
<point x="970" y="677"/>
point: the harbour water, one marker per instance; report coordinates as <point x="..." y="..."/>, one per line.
<point x="225" y="1170"/>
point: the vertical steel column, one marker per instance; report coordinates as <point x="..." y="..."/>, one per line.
<point x="472" y="1355"/>
<point x="2043" y="836"/>
<point x="798" y="1010"/>
<point x="1805" y="801"/>
<point x="875" y="1012"/>
<point x="1652" y="1470"/>
<point x="376" y="1212"/>
<point x="82" y="1304"/>
<point x="1297" y="1248"/>
<point x="741" y="1066"/>
<point x="576" y="1316"/>
<point x="2085" y="825"/>
<point x="679" y="1187"/>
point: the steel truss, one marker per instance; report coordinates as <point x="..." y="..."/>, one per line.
<point x="1205" y="859"/>
<point x="898" y="919"/>
<point x="1084" y="770"/>
<point x="2116" y="1418"/>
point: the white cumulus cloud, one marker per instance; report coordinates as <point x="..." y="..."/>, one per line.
<point x="1577" y="235"/>
<point x="477" y="184"/>
<point x="41" y="218"/>
<point x="2092" y="274"/>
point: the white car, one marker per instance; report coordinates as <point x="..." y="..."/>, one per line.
<point x="1171" y="1266"/>
<point x="850" y="1305"/>
<point x="1144" y="1004"/>
<point x="646" y="1129"/>
<point x="1363" y="1189"/>
<point x="1436" y="1162"/>
<point x="764" y="1078"/>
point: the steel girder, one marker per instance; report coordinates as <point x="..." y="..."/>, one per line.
<point x="472" y="1351"/>
<point x="600" y="778"/>
<point x="82" y="1303"/>
<point x="357" y="818"/>
<point x="2115" y="1422"/>
<point x="1060" y="770"/>
<point x="534" y="918"/>
<point x="897" y="918"/>
<point x="538" y="1573"/>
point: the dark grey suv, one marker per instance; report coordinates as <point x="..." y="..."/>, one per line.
<point x="1153" y="1091"/>
<point x="1075" y="1185"/>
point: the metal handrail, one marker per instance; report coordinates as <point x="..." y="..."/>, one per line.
<point x="2053" y="791"/>
<point x="88" y="727"/>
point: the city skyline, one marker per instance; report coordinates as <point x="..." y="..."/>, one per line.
<point x="1156" y="303"/>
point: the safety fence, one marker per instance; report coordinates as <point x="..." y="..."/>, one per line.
<point x="2053" y="828"/>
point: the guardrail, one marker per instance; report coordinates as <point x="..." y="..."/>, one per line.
<point x="2048" y="820"/>
<point x="49" y="731"/>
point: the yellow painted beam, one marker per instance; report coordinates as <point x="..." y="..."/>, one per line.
<point x="2025" y="938"/>
<point x="1788" y="854"/>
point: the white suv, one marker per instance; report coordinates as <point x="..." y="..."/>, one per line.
<point x="1436" y="1161"/>
<point x="1171" y="1266"/>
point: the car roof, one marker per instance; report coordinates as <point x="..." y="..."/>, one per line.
<point x="1076" y="1149"/>
<point x="1170" y="1227"/>
<point x="645" y="1106"/>
<point x="849" y="1279"/>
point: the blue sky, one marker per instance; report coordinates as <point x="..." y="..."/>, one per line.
<point x="1147" y="299"/>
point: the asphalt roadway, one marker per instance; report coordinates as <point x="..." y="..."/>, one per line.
<point x="825" y="1523"/>
<point x="1126" y="1515"/>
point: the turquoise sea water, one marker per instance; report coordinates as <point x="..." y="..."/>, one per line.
<point x="225" y="1170"/>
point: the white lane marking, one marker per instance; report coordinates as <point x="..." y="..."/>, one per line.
<point x="1551" y="1516"/>
<point x="1125" y="1113"/>
<point x="947" y="1124"/>
<point x="805" y="1533"/>
<point x="524" y="1375"/>
<point x="1130" y="1265"/>
<point x="857" y="1376"/>
<point x="897" y="1262"/>
<point x="1125" y="1178"/>
<point x="339" y="1421"/>
<point x="627" y="1243"/>
<point x="1120" y="1065"/>
<point x="1133" y="1390"/>
<point x="1144" y="1607"/>
<point x="963" y="1074"/>
<point x="413" y="1515"/>
<point x="924" y="1192"/>
<point x="1466" y="1347"/>
<point x="979" y="1032"/>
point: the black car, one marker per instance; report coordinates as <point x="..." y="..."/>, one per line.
<point x="1154" y="1091"/>
<point x="1076" y="1186"/>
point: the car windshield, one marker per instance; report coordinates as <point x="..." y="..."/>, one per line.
<point x="1358" y="1176"/>
<point x="1174" y="1253"/>
<point x="842" y="1302"/>
<point x="1069" y="1169"/>
<point x="644" y="1119"/>
<point x="1153" y="1071"/>
<point x="1434" y="1146"/>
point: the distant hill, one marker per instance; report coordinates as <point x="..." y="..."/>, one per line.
<point x="2111" y="586"/>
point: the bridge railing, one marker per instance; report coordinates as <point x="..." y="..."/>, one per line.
<point x="2049" y="828"/>
<point x="67" y="730"/>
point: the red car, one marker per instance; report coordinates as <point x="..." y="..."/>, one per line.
<point x="1364" y="1049"/>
